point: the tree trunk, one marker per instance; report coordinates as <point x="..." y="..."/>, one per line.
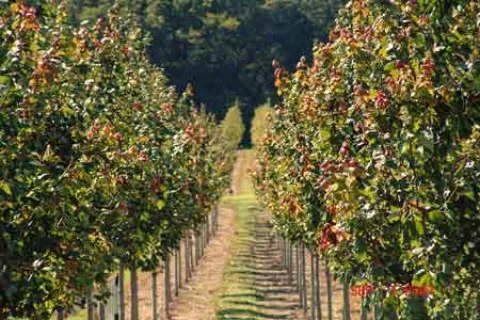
<point x="90" y="308"/>
<point x="177" y="273"/>
<point x="121" y="291"/>
<point x="197" y="248"/>
<point x="208" y="229"/>
<point x="314" y="288"/>
<point x="187" y="260"/>
<point x="166" y="272"/>
<point x="318" y="302"/>
<point x="60" y="314"/>
<point x="299" y="278"/>
<point x="289" y="261"/>
<point x="304" y="279"/>
<point x="102" y="313"/>
<point x="346" y="298"/>
<point x="203" y="241"/>
<point x="192" y="264"/>
<point x="328" y="276"/>
<point x="213" y="222"/>
<point x="155" y="295"/>
<point x="134" y="292"/>
<point x="216" y="218"/>
<point x="200" y="244"/>
<point x="180" y="265"/>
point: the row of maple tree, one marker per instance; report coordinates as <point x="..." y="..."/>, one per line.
<point x="373" y="156"/>
<point x="101" y="161"/>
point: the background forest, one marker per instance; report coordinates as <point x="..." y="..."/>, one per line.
<point x="222" y="47"/>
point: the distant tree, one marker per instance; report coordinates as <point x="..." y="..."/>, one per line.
<point x="260" y="123"/>
<point x="232" y="125"/>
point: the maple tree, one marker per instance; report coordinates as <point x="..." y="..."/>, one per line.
<point x="373" y="154"/>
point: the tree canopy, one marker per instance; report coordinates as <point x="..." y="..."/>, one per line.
<point x="223" y="46"/>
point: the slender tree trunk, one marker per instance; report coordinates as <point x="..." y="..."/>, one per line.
<point x="318" y="302"/>
<point x="102" y="313"/>
<point x="166" y="290"/>
<point x="60" y="314"/>
<point x="155" y="295"/>
<point x="90" y="308"/>
<point x="346" y="298"/>
<point x="121" y="291"/>
<point x="192" y="261"/>
<point x="301" y="283"/>
<point x="213" y="223"/>
<point x="187" y="265"/>
<point x="313" y="284"/>
<point x="287" y="255"/>
<point x="180" y="265"/>
<point x="204" y="240"/>
<point x="208" y="229"/>
<point x="134" y="292"/>
<point x="197" y="247"/>
<point x="328" y="276"/>
<point x="200" y="244"/>
<point x="297" y="273"/>
<point x="304" y="278"/>
<point x="290" y="260"/>
<point x="177" y="272"/>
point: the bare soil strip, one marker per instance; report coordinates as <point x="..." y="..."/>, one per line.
<point x="196" y="299"/>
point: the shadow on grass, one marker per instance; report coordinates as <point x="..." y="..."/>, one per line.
<point x="241" y="313"/>
<point x="255" y="285"/>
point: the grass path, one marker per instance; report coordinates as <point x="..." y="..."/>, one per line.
<point x="254" y="285"/>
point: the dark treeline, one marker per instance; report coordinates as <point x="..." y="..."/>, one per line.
<point x="224" y="47"/>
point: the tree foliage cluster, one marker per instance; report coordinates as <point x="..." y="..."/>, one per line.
<point x="222" y="47"/>
<point x="232" y="126"/>
<point x="100" y="160"/>
<point x="373" y="155"/>
<point x="261" y="123"/>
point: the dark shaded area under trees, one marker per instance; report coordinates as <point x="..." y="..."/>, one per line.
<point x="224" y="47"/>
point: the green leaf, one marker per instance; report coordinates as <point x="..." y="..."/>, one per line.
<point x="5" y="188"/>
<point x="425" y="142"/>
<point x="435" y="216"/>
<point x="325" y="134"/>
<point x="4" y="80"/>
<point x="160" y="204"/>
<point x="394" y="217"/>
<point x="419" y="227"/>
<point x="389" y="66"/>
<point x="423" y="278"/>
<point x="470" y="195"/>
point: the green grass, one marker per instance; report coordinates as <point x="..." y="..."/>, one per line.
<point x="235" y="289"/>
<point x="238" y="296"/>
